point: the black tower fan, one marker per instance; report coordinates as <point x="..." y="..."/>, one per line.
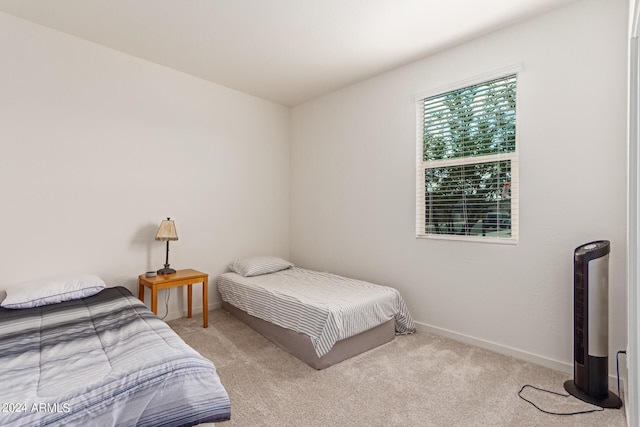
<point x="591" y="326"/>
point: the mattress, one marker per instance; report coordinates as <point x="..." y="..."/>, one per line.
<point x="103" y="360"/>
<point x="326" y="307"/>
<point x="300" y="346"/>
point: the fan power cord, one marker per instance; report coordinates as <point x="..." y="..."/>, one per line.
<point x="557" y="394"/>
<point x="600" y="409"/>
<point x="618" y="369"/>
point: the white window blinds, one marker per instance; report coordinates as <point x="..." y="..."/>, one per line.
<point x="467" y="171"/>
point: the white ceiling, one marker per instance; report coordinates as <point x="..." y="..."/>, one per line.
<point x="286" y="51"/>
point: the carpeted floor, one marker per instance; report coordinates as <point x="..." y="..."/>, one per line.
<point x="415" y="380"/>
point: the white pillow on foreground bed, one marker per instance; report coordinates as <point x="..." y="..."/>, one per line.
<point x="51" y="291"/>
<point x="255" y="266"/>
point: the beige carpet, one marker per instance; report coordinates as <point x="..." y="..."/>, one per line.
<point x="415" y="380"/>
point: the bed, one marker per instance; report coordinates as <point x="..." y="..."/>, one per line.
<point x="102" y="360"/>
<point x="319" y="317"/>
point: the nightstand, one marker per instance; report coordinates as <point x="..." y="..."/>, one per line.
<point x="179" y="278"/>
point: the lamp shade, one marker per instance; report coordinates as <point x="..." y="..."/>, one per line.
<point x="167" y="230"/>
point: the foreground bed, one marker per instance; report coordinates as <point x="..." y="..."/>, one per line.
<point x="321" y="318"/>
<point x="104" y="360"/>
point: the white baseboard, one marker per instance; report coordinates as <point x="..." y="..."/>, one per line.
<point x="556" y="365"/>
<point x="498" y="348"/>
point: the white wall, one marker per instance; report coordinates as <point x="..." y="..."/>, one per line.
<point x="97" y="147"/>
<point x="353" y="185"/>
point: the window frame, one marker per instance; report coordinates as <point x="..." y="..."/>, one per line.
<point x="421" y="164"/>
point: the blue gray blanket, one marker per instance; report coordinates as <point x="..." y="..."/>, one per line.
<point x="104" y="360"/>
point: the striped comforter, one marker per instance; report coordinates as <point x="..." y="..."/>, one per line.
<point x="105" y="360"/>
<point x="324" y="306"/>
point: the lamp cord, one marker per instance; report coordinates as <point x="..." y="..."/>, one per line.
<point x="166" y="304"/>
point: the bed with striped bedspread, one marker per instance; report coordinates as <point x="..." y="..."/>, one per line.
<point x="324" y="306"/>
<point x="105" y="360"/>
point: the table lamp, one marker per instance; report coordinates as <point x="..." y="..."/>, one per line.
<point x="167" y="232"/>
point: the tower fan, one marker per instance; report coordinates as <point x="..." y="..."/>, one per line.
<point x="591" y="326"/>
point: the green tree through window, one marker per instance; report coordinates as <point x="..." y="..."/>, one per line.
<point x="468" y="169"/>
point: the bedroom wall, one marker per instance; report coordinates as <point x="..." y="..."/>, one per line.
<point x="353" y="185"/>
<point x="97" y="147"/>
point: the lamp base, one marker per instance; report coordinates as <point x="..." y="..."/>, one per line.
<point x="166" y="270"/>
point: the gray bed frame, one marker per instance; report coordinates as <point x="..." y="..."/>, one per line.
<point x="300" y="346"/>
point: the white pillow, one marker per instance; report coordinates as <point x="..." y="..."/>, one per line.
<point x="258" y="265"/>
<point x="51" y="291"/>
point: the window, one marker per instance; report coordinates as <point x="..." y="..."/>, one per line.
<point x="467" y="162"/>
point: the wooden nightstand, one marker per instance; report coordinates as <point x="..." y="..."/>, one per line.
<point x="179" y="278"/>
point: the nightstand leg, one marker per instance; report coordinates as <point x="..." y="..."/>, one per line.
<point x="205" y="302"/>
<point x="140" y="290"/>
<point x="154" y="300"/>
<point x="189" y="300"/>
